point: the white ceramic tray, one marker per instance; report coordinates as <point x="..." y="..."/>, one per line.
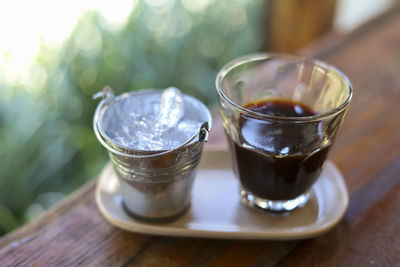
<point x="216" y="211"/>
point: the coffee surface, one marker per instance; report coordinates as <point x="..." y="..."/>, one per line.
<point x="281" y="107"/>
<point x="267" y="158"/>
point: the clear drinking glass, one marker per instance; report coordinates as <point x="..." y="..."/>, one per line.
<point x="278" y="157"/>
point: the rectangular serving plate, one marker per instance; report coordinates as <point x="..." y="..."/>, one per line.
<point x="216" y="211"/>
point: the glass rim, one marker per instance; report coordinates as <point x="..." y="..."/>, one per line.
<point x="263" y="56"/>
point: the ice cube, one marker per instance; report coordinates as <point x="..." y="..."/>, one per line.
<point x="123" y="140"/>
<point x="178" y="135"/>
<point x="188" y="127"/>
<point x="171" y="110"/>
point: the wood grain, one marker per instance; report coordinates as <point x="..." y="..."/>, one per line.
<point x="367" y="151"/>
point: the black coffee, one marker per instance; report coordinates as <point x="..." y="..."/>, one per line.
<point x="265" y="164"/>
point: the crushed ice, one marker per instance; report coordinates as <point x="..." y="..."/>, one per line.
<point x="148" y="122"/>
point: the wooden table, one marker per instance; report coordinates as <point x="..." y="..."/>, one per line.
<point x="367" y="151"/>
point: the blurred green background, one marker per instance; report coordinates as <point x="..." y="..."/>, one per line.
<point x="47" y="147"/>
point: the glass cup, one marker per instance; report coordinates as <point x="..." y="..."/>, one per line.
<point x="278" y="157"/>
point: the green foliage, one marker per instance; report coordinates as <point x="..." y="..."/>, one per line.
<point x="47" y="142"/>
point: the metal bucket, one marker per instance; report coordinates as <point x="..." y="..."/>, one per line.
<point x="156" y="186"/>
